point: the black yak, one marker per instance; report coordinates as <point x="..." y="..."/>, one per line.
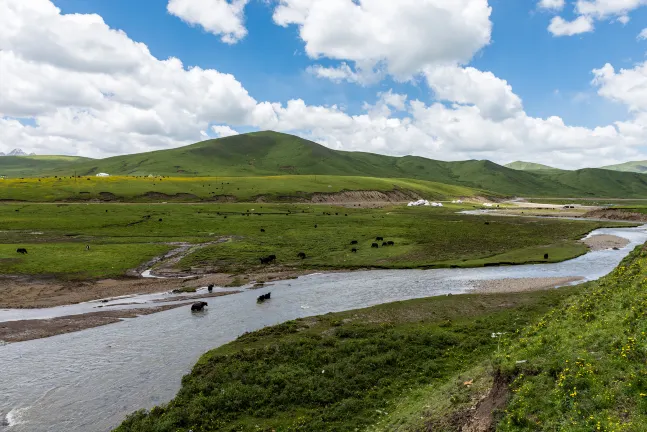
<point x="198" y="307"/>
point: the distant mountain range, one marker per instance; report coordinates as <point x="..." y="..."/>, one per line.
<point x="529" y="166"/>
<point x="17" y="152"/>
<point x="637" y="166"/>
<point x="273" y="154"/>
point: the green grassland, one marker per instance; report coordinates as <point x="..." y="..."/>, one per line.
<point x="277" y="188"/>
<point x="342" y="371"/>
<point x="275" y="154"/>
<point x="571" y="359"/>
<point x="124" y="235"/>
<point x="33" y="166"/>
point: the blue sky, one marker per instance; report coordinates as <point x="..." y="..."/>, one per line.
<point x="536" y="73"/>
<point x="271" y="64"/>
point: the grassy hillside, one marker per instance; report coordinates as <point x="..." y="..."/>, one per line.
<point x="528" y="166"/>
<point x="33" y="166"/>
<point x="276" y="154"/>
<point x="636" y="166"/>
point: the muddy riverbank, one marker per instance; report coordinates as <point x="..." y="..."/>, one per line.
<point x="29" y="292"/>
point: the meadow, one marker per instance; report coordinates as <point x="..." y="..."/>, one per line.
<point x="571" y="359"/>
<point x="195" y="189"/>
<point x="122" y="236"/>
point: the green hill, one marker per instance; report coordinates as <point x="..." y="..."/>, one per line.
<point x="30" y="166"/>
<point x="273" y="154"/>
<point x="528" y="166"/>
<point x="636" y="166"/>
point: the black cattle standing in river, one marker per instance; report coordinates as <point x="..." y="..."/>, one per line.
<point x="198" y="307"/>
<point x="263" y="297"/>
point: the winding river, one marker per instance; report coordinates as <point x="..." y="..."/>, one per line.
<point x="88" y="381"/>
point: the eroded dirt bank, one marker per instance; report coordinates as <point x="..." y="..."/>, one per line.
<point x="618" y="215"/>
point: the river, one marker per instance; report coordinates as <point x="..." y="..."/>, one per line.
<point x="90" y="380"/>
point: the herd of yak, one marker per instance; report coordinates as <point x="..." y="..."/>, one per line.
<point x="272" y="258"/>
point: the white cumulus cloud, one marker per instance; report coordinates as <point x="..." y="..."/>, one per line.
<point x="222" y="131"/>
<point x="403" y="36"/>
<point x="589" y="11"/>
<point x="88" y="89"/>
<point x="224" y="18"/>
<point x="555" y="5"/>
<point x="560" y="27"/>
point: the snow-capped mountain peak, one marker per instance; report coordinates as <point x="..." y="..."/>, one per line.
<point x="15" y="152"/>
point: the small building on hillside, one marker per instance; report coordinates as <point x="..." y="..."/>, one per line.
<point x="103" y="175"/>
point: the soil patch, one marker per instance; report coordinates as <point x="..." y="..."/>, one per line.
<point x="177" y="196"/>
<point x="20" y="331"/>
<point x="394" y="196"/>
<point x="604" y="241"/>
<point x="521" y="285"/>
<point x="483" y="419"/>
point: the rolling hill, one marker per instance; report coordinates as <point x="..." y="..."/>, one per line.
<point x="529" y="166"/>
<point x="636" y="166"/>
<point x="276" y="154"/>
<point x="29" y="166"/>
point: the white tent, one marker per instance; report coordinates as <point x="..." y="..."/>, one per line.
<point x="103" y="175"/>
<point x="418" y="203"/>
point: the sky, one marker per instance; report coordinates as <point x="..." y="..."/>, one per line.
<point x="560" y="82"/>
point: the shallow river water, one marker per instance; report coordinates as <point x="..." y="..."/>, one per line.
<point x="88" y="381"/>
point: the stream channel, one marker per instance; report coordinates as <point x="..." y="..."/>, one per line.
<point x="90" y="380"/>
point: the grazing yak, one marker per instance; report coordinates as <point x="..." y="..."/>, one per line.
<point x="353" y="250"/>
<point x="390" y="243"/>
<point x="268" y="259"/>
<point x="384" y="244"/>
<point x="263" y="297"/>
<point x="354" y="242"/>
<point x="198" y="307"/>
<point x="315" y="226"/>
<point x="545" y="256"/>
<point x="22" y="251"/>
<point x="379" y="238"/>
<point x="210" y="288"/>
<point x="302" y="255"/>
<point x="262" y="230"/>
<point x="375" y="245"/>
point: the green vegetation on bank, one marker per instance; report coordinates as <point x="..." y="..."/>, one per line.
<point x="584" y="363"/>
<point x="122" y="236"/>
<point x="194" y="189"/>
<point x="342" y="371"/>
<point x="275" y="154"/>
